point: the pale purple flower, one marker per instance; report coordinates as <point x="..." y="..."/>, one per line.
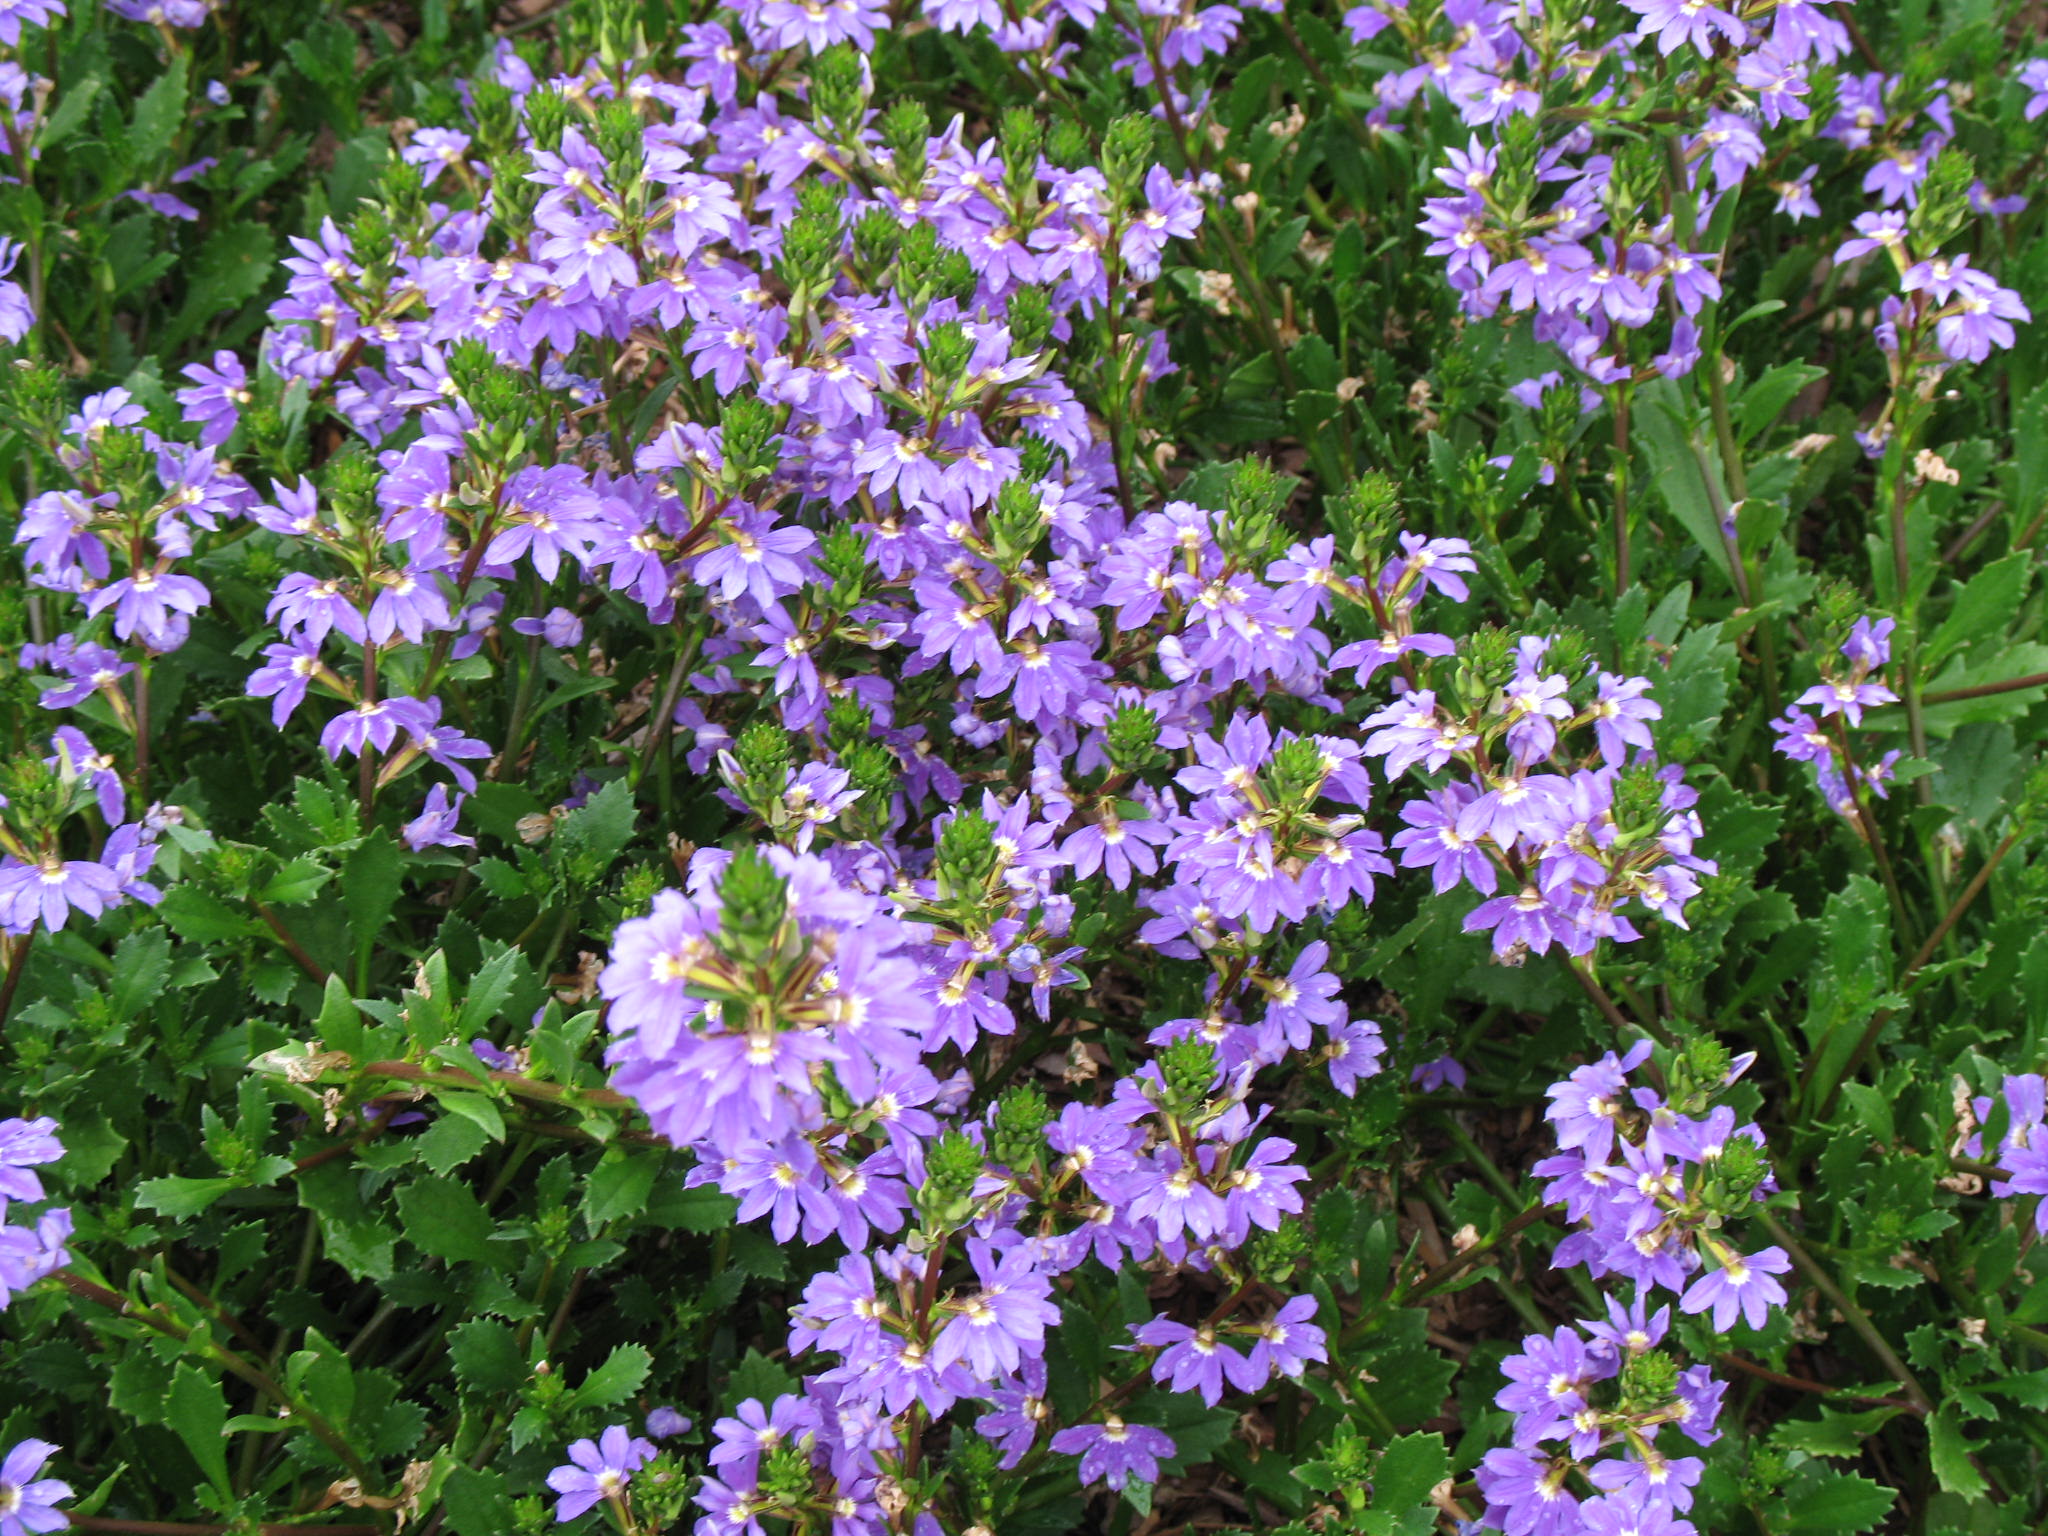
<point x="1114" y="1452"/>
<point x="1742" y="1286"/>
<point x="598" y="1470"/>
<point x="434" y="827"/>
<point x="28" y="1503"/>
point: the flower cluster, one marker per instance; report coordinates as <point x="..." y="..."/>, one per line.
<point x="1577" y="838"/>
<point x="1599" y="235"/>
<point x="28" y="1252"/>
<point x="41" y="884"/>
<point x="2023" y="1147"/>
<point x="1651" y="1182"/>
<point x="1837" y="703"/>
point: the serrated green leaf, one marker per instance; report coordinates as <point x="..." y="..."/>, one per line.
<point x="619" y="1185"/>
<point x="203" y="918"/>
<point x="444" y="1218"/>
<point x="1834" y="1433"/>
<point x="592" y="836"/>
<point x="486" y="1356"/>
<point x="297" y="883"/>
<point x="477" y="1503"/>
<point x="616" y="1380"/>
<point x="371" y="878"/>
<point x="479" y="1110"/>
<point x="449" y="1142"/>
<point x="181" y="1198"/>
<point x="156" y="119"/>
<point x="1409" y="1470"/>
<point x="1948" y="1452"/>
<point x="501" y="974"/>
<point x="1986" y="605"/>
<point x="142" y="964"/>
<point x="197" y="1413"/>
<point x="1835" y="1504"/>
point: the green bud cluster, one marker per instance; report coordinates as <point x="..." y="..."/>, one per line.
<point x="968" y="857"/>
<point x="840" y="86"/>
<point x="1133" y="738"/>
<point x="1128" y="152"/>
<point x="1189" y="1067"/>
<point x="906" y="133"/>
<point x="754" y="905"/>
<point x="945" y="1201"/>
<point x="1018" y="1138"/>
<point x="747" y="428"/>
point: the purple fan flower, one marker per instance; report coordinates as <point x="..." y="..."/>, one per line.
<point x="1113" y="1452"/>
<point x="434" y="827"/>
<point x="1195" y="1360"/>
<point x="1742" y="1286"/>
<point x="151" y="606"/>
<point x="26" y="1144"/>
<point x="51" y="889"/>
<point x="375" y="725"/>
<point x="665" y="1423"/>
<point x="598" y="1470"/>
<point x="29" y="1503"/>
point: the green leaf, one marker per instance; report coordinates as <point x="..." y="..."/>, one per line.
<point x="142" y="964"/>
<point x="205" y="919"/>
<point x="450" y="1142"/>
<point x="156" y="119"/>
<point x="445" y="1219"/>
<point x="695" y="1211"/>
<point x="296" y="883"/>
<point x="478" y="1110"/>
<point x="1837" y="1504"/>
<point x="1988" y="602"/>
<point x="486" y="1356"/>
<point x="1765" y="400"/>
<point x="501" y="975"/>
<point x="198" y="1413"/>
<point x="1693" y="692"/>
<point x="1834" y="1433"/>
<point x="1409" y="1470"/>
<point x="619" y="1185"/>
<point x="1676" y="472"/>
<point x="371" y="878"/>
<point x="229" y="269"/>
<point x="592" y="836"/>
<point x="759" y="1377"/>
<point x="72" y="104"/>
<point x="1948" y="1451"/>
<point x="616" y="1380"/>
<point x="180" y="1198"/>
<point x="477" y="1503"/>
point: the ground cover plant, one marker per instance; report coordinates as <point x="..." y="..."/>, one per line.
<point x="991" y="767"/>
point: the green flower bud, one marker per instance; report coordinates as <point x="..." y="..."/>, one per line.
<point x="1030" y="320"/>
<point x="968" y="858"/>
<point x="547" y="116"/>
<point x="1128" y="151"/>
<point x="945" y="1201"/>
<point x="1189" y="1066"/>
<point x="840" y="87"/>
<point x="876" y="239"/>
<point x="1133" y="738"/>
<point x="1018" y="1139"/>
<point x="754" y="903"/>
<point x="906" y="133"/>
<point x="764" y="754"/>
